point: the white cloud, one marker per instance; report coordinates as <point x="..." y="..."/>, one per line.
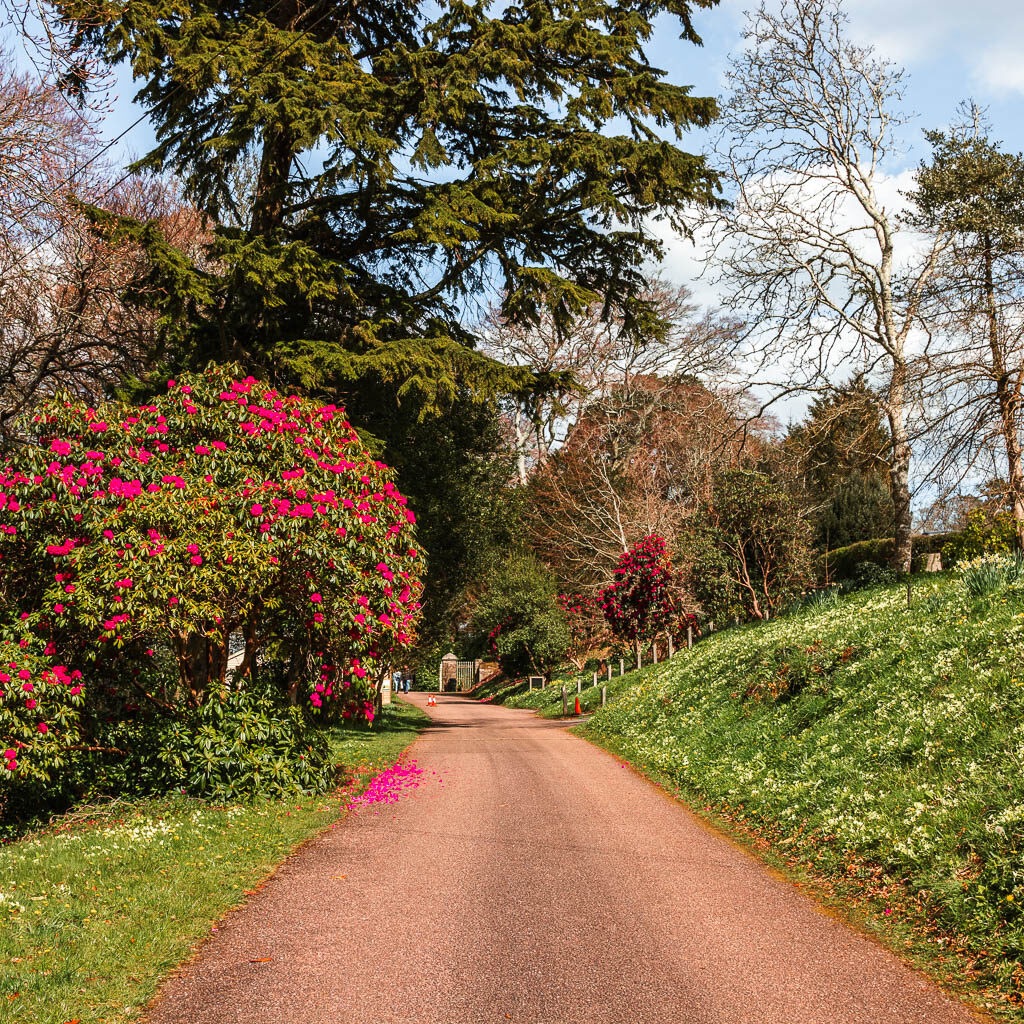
<point x="985" y="37"/>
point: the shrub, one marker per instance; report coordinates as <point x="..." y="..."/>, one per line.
<point x="644" y="599"/>
<point x="240" y="744"/>
<point x="871" y="574"/>
<point x="517" y="618"/>
<point x="135" y="542"/>
<point x="984" y="534"/>
<point x="839" y="565"/>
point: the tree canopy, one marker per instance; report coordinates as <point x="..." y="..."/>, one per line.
<point x="372" y="169"/>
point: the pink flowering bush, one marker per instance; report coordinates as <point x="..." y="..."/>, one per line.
<point x="140" y="546"/>
<point x="644" y="600"/>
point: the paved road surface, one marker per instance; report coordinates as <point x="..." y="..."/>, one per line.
<point x="532" y="878"/>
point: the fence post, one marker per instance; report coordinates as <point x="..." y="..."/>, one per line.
<point x="565" y="703"/>
<point x="622" y="666"/>
<point x="654" y="653"/>
<point x="531" y="683"/>
<point x="639" y="660"/>
<point x="609" y="667"/>
<point x="604" y="695"/>
<point x="689" y="636"/>
<point x="595" y="679"/>
<point x="579" y="684"/>
<point x="671" y="646"/>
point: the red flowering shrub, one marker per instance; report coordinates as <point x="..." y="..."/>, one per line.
<point x="643" y="601"/>
<point x="222" y="517"/>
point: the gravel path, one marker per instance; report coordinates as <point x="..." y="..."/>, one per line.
<point x="530" y="877"/>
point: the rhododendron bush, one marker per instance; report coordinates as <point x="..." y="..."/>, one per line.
<point x="645" y="600"/>
<point x="141" y="545"/>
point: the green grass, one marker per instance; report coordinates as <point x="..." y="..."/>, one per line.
<point x="96" y="909"/>
<point x="876" y="749"/>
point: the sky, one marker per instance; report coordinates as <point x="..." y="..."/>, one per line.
<point x="952" y="51"/>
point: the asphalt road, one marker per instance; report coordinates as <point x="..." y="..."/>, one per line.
<point x="531" y="877"/>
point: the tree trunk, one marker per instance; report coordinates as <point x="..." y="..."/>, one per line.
<point x="899" y="481"/>
<point x="1009" y="402"/>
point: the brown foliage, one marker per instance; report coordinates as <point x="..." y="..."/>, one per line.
<point x="634" y="466"/>
<point x="64" y="320"/>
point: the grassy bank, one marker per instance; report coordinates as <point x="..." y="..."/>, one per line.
<point x="874" y="748"/>
<point x="99" y="907"/>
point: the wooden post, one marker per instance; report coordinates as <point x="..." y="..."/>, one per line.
<point x="595" y="679"/>
<point x="639" y="660"/>
<point x="689" y="636"/>
<point x="579" y="684"/>
<point x="531" y="683"/>
<point x="671" y="646"/>
<point x="654" y="653"/>
<point x="565" y="702"/>
<point x="609" y="671"/>
<point x="622" y="666"/>
<point x="604" y="695"/>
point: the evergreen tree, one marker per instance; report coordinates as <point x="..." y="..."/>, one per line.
<point x="840" y="450"/>
<point x="406" y="158"/>
<point x="972" y="193"/>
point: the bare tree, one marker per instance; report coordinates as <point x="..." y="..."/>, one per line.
<point x="810" y="249"/>
<point x="64" y="319"/>
<point x="604" y="359"/>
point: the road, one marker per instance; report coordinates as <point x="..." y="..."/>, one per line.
<point x="531" y="877"/>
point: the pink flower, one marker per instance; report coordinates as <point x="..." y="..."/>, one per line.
<point x="192" y="549"/>
<point x="75" y="691"/>
<point x="58" y="608"/>
<point x="43" y="728"/>
<point x="315" y="598"/>
<point x="196" y="559"/>
<point x="256" y="510"/>
<point x="30" y="703"/>
<point x="318" y="617"/>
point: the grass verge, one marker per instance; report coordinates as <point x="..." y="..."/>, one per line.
<point x="97" y="908"/>
<point x="869" y="749"/>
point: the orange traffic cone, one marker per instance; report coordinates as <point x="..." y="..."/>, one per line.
<point x="578" y="712"/>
